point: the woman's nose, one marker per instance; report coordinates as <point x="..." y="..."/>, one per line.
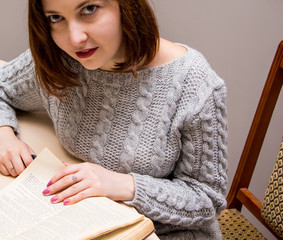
<point x="78" y="34"/>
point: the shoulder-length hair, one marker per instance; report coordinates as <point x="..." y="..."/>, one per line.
<point x="140" y="39"/>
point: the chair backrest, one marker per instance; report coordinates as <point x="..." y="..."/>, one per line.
<point x="239" y="193"/>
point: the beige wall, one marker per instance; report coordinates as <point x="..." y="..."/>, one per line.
<point x="13" y="28"/>
<point x="239" y="39"/>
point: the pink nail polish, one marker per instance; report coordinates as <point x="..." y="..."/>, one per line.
<point x="55" y="198"/>
<point x="66" y="201"/>
<point x="46" y="191"/>
<point x="49" y="183"/>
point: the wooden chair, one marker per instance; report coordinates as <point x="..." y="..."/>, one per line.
<point x="239" y="193"/>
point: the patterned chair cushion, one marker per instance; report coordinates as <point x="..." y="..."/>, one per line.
<point x="272" y="205"/>
<point x="234" y="225"/>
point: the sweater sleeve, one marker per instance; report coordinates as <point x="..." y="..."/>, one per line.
<point x="18" y="89"/>
<point x="195" y="194"/>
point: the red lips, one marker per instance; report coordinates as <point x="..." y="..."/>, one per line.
<point x="86" y="53"/>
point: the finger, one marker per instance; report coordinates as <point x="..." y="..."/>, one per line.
<point x="65" y="171"/>
<point x="78" y="197"/>
<point x="16" y="166"/>
<point x="70" y="192"/>
<point x="13" y="163"/>
<point x="4" y="170"/>
<point x="11" y="169"/>
<point x="27" y="157"/>
<point x="10" y="163"/>
<point x="61" y="184"/>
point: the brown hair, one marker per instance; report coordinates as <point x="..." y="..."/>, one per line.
<point x="140" y="38"/>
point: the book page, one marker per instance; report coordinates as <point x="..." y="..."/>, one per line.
<point x="84" y="220"/>
<point x="22" y="203"/>
<point x="23" y="208"/>
<point x="139" y="230"/>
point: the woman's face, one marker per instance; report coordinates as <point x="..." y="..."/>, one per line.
<point x="90" y="31"/>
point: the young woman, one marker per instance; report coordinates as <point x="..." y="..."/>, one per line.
<point x="147" y="116"/>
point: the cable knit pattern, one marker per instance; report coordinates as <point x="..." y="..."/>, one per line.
<point x="167" y="128"/>
<point x="16" y="80"/>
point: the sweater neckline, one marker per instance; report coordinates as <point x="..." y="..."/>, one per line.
<point x="147" y="70"/>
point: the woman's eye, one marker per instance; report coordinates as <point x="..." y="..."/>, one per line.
<point x="55" y="18"/>
<point x="88" y="10"/>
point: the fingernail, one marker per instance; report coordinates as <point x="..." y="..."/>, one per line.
<point x="46" y="191"/>
<point x="49" y="183"/>
<point x="55" y="198"/>
<point x="66" y="201"/>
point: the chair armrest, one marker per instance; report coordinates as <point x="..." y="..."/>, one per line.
<point x="252" y="203"/>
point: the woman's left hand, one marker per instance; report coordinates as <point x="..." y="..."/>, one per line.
<point x="76" y="182"/>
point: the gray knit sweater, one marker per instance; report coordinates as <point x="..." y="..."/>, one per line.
<point x="167" y="128"/>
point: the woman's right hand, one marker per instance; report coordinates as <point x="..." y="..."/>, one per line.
<point x="15" y="155"/>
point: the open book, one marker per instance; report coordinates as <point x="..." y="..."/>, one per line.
<point x="26" y="214"/>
